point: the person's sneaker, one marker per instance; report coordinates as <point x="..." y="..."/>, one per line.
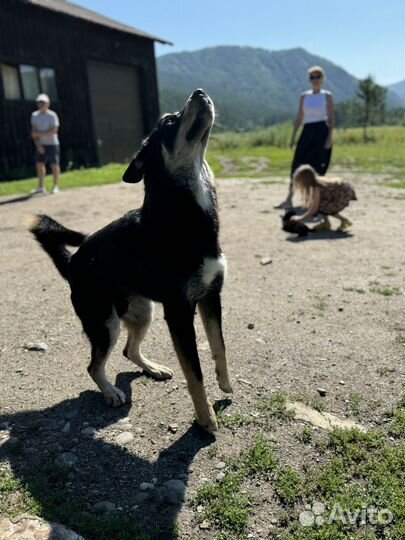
<point x="285" y="205"/>
<point x="323" y="226"/>
<point x="346" y="224"/>
<point x="55" y="189"/>
<point x="38" y="191"/>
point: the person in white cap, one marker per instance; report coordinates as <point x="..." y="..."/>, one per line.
<point x="45" y="125"/>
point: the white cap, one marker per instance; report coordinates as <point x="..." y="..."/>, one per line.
<point x="43" y="97"/>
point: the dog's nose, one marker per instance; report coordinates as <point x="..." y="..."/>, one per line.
<point x="199" y="92"/>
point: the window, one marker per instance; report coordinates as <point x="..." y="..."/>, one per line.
<point x="26" y="82"/>
<point x="48" y="83"/>
<point x="11" y="83"/>
<point x="30" y="81"/>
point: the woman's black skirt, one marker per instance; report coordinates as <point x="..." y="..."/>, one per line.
<point x="311" y="149"/>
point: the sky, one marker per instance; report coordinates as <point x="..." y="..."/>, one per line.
<point x="365" y="37"/>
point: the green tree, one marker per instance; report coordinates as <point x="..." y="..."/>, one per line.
<point x="372" y="97"/>
<point x="348" y="113"/>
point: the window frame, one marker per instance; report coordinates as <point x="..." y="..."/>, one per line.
<point x="22" y="97"/>
<point x="39" y="69"/>
<point x="36" y="77"/>
<point x="21" y="93"/>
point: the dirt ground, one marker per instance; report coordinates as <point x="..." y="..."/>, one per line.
<point x="327" y="311"/>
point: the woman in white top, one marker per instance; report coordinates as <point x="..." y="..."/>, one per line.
<point x="316" y="114"/>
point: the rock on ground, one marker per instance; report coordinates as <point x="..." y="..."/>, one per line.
<point x="33" y="528"/>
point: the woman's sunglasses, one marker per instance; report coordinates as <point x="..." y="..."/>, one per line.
<point x="315" y="77"/>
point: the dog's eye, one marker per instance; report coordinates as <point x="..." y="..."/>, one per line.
<point x="171" y="120"/>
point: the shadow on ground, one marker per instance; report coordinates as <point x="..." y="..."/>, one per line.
<point x="103" y="471"/>
<point x="321" y="235"/>
<point x="22" y="198"/>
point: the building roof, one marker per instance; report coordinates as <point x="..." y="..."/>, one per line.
<point x="68" y="8"/>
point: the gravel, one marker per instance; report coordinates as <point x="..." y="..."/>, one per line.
<point x="307" y="281"/>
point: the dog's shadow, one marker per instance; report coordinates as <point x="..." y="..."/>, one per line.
<point x="68" y="472"/>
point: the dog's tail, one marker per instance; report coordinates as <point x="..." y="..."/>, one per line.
<point x="54" y="237"/>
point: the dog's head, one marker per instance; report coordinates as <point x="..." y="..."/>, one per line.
<point x="288" y="215"/>
<point x="293" y="227"/>
<point x="178" y="141"/>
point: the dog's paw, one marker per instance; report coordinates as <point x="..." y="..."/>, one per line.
<point x="158" y="372"/>
<point x="114" y="397"/>
<point x="224" y="383"/>
<point x="208" y="420"/>
<point x="225" y="386"/>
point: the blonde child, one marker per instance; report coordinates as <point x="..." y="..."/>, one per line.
<point x="325" y="196"/>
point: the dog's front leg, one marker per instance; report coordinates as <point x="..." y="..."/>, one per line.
<point x="210" y="312"/>
<point x="180" y="319"/>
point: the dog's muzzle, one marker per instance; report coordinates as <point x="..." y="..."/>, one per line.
<point x="198" y="115"/>
<point x="199" y="94"/>
<point x="200" y="103"/>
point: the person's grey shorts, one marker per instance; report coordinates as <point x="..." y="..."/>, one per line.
<point x="52" y="154"/>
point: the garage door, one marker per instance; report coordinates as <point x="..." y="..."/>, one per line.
<point x="116" y="105"/>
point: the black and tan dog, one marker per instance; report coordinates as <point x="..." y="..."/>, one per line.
<point x="167" y="251"/>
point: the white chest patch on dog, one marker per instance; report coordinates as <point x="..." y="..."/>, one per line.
<point x="211" y="268"/>
<point x="202" y="195"/>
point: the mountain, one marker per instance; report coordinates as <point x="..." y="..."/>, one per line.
<point x="399" y="90"/>
<point x="249" y="86"/>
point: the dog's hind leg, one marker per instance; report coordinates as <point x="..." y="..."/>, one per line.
<point x="180" y="318"/>
<point x="103" y="335"/>
<point x="210" y="312"/>
<point x="137" y="320"/>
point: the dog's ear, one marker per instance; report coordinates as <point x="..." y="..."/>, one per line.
<point x="136" y="169"/>
<point x="289" y="214"/>
<point x="134" y="172"/>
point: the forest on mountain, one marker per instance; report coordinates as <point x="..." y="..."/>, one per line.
<point x="256" y="88"/>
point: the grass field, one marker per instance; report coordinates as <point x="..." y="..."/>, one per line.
<point x="265" y="153"/>
<point x="79" y="178"/>
<point x="381" y="154"/>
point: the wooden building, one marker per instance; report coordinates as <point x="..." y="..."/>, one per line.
<point x="100" y="75"/>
